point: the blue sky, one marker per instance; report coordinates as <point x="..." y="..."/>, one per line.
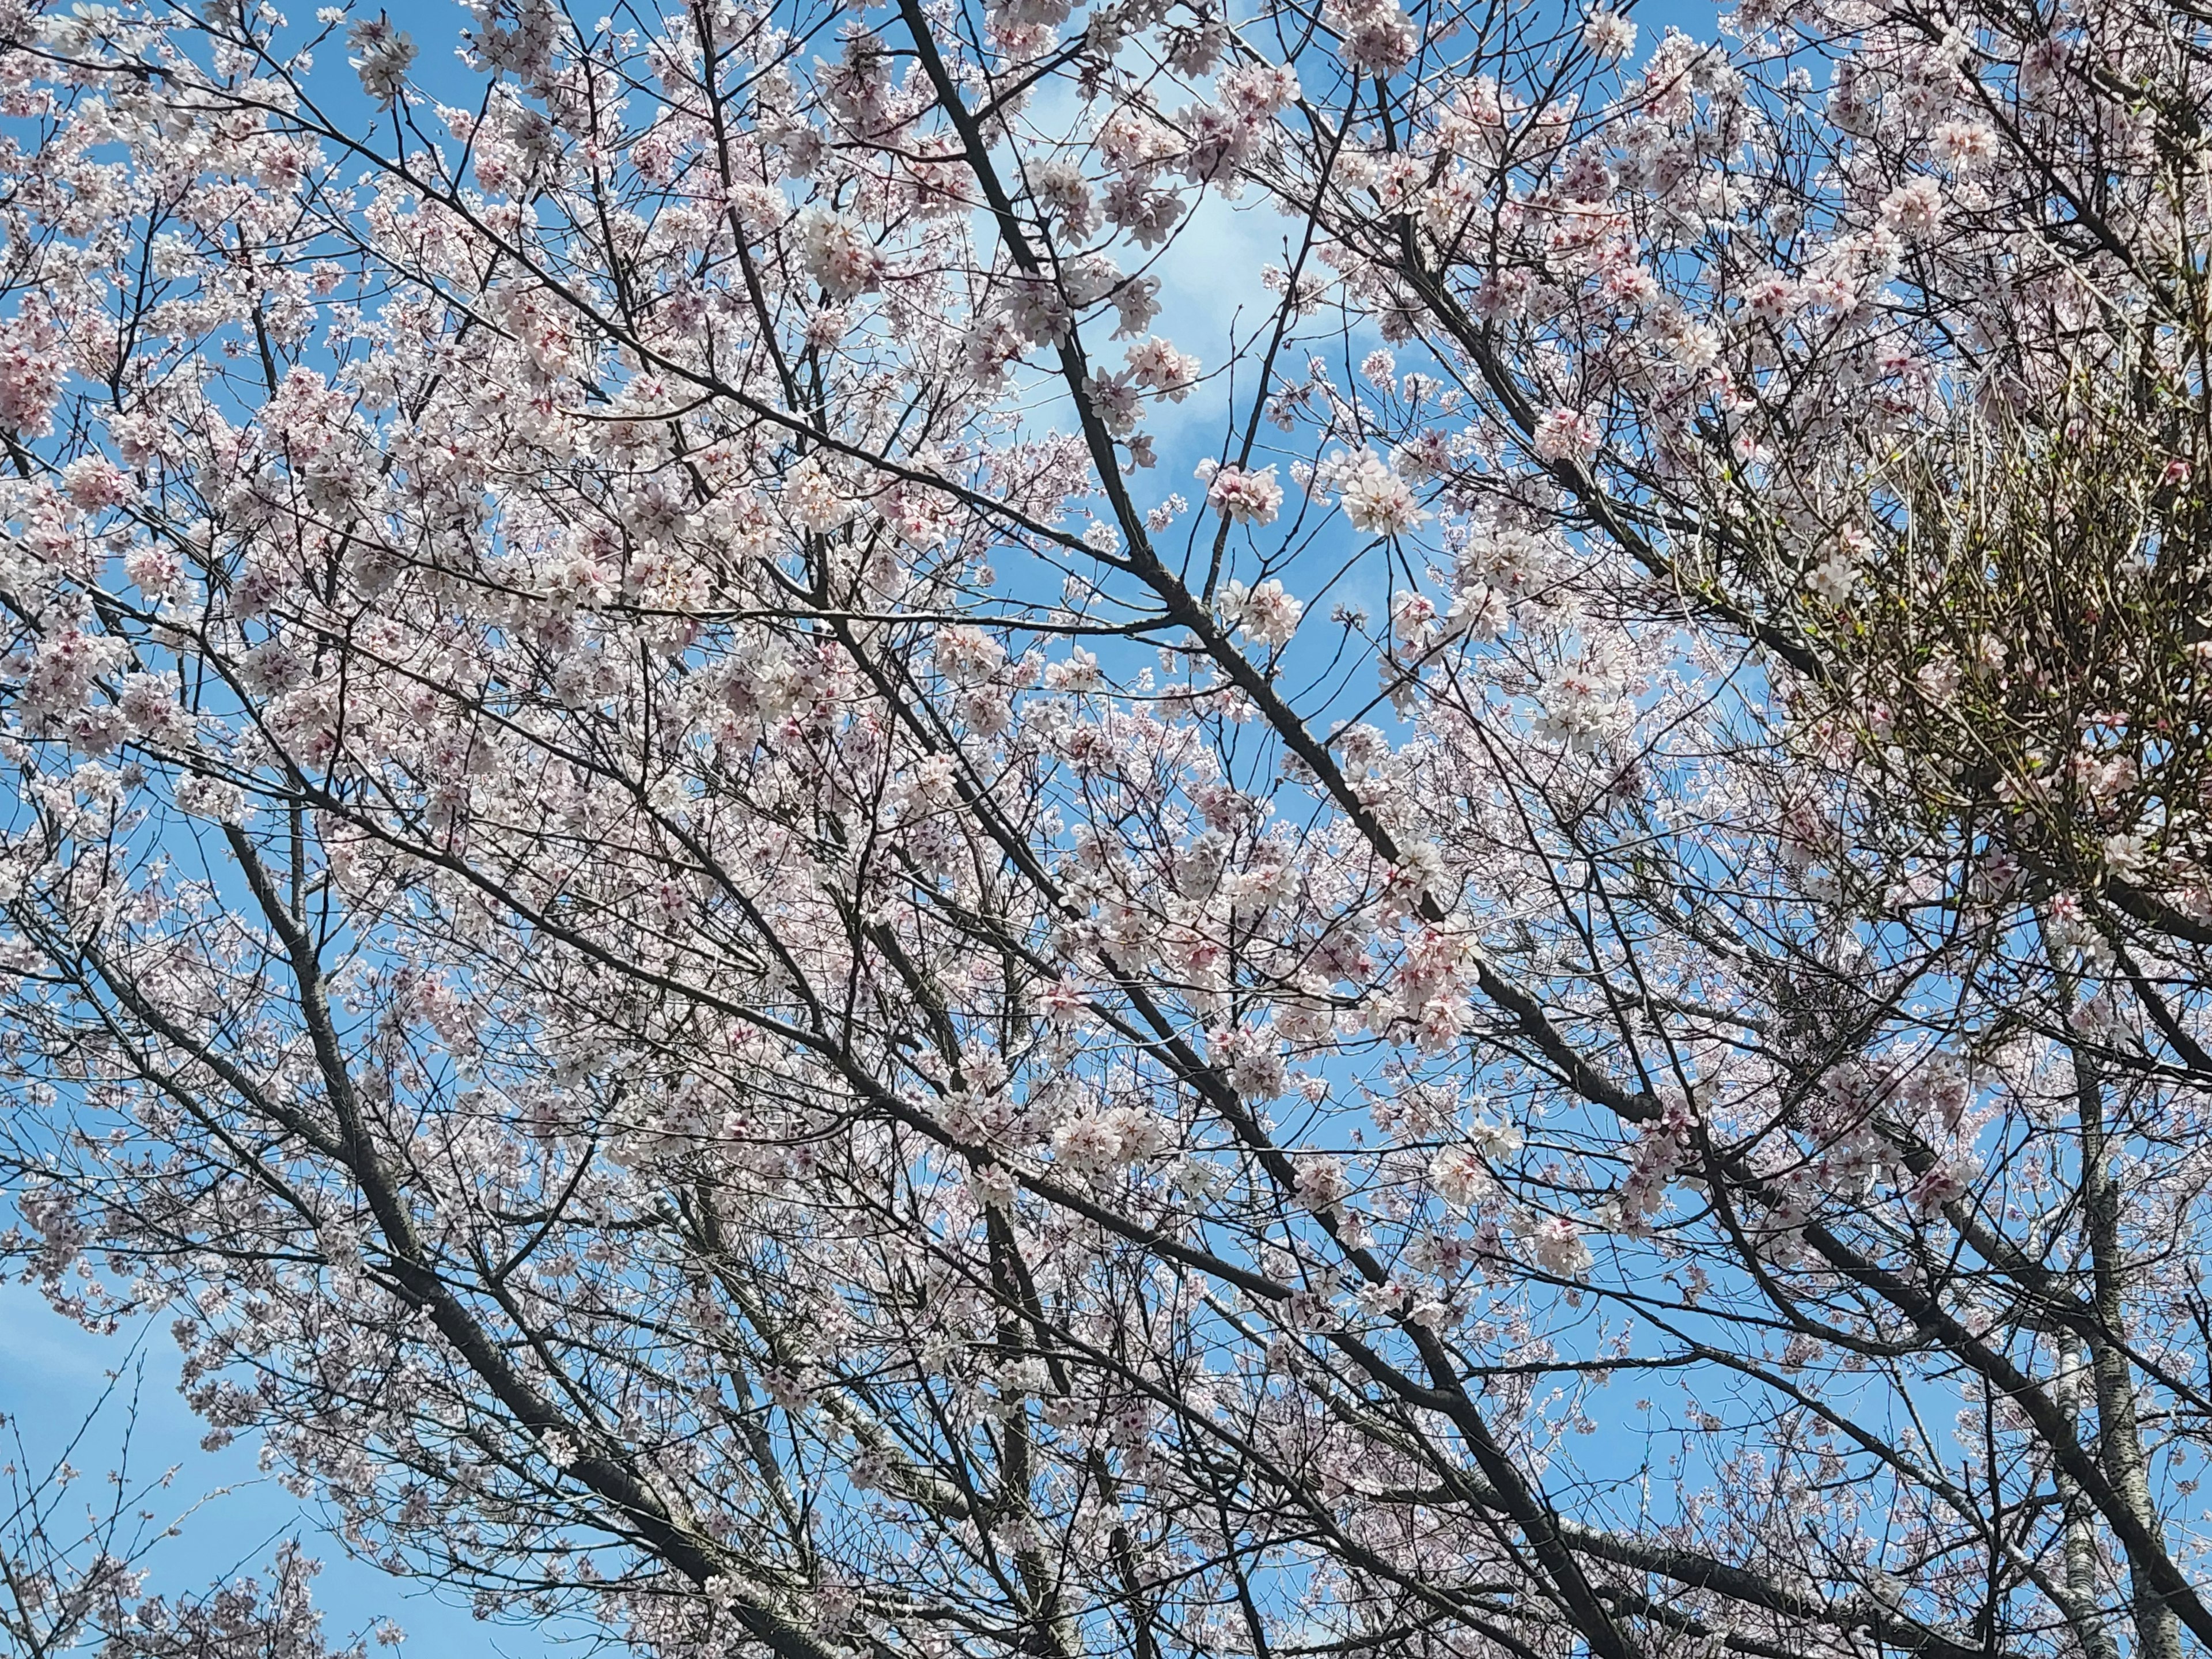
<point x="51" y="1374"/>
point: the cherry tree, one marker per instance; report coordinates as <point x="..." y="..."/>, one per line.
<point x="909" y="829"/>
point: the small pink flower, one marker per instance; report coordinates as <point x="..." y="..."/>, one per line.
<point x="93" y="481"/>
<point x="1245" y="498"/>
<point x="1565" y="434"/>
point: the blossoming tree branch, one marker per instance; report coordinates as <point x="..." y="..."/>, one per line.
<point x="924" y="828"/>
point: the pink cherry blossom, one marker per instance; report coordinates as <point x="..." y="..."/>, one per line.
<point x="1245" y="498"/>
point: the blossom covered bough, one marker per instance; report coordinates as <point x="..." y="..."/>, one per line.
<point x="787" y="897"/>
